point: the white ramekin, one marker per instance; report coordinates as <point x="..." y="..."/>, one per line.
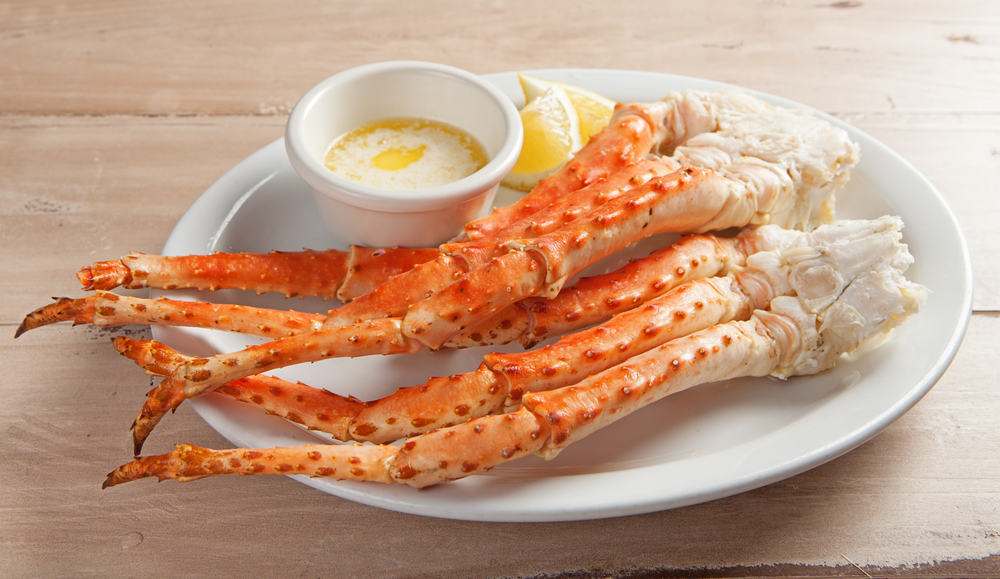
<point x="366" y="215"/>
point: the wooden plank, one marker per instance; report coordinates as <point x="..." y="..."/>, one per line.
<point x="922" y="492"/>
<point x="182" y="58"/>
<point x="107" y="186"/>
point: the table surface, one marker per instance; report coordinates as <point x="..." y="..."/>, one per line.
<point x="116" y="116"/>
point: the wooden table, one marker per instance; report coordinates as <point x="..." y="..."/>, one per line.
<point x="116" y="116"/>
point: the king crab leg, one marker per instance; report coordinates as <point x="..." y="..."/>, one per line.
<point x="327" y="274"/>
<point x="111" y="309"/>
<point x="203" y="375"/>
<point x="314" y="408"/>
<point x="797" y="334"/>
<point x="738" y="178"/>
<point x="784" y="171"/>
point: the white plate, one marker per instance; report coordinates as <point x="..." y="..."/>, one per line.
<point x="706" y="443"/>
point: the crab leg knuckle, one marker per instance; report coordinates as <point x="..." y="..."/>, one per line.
<point x="473" y="447"/>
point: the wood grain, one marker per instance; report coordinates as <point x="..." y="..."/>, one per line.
<point x="105" y="57"/>
<point x="115" y="116"/>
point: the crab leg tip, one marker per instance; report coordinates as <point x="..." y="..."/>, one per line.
<point x="123" y="474"/>
<point x="141" y="467"/>
<point x="142" y="426"/>
<point x="62" y="309"/>
<point x="86" y="277"/>
<point x="137" y="441"/>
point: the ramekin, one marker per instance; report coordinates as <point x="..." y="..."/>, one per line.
<point x="365" y="215"/>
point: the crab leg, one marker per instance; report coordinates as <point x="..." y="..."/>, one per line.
<point x="797" y="335"/>
<point x="110" y="309"/>
<point x="635" y="129"/>
<point x="327" y="274"/>
<point x="503" y="379"/>
<point x="314" y="408"/>
<point x="206" y="374"/>
<point x="563" y="253"/>
<point x="361" y="266"/>
<point x="388" y="300"/>
<point x="366" y="338"/>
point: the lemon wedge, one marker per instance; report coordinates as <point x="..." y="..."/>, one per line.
<point x="551" y="136"/>
<point x="594" y="110"/>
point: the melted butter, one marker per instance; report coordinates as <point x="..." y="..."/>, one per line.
<point x="405" y="153"/>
